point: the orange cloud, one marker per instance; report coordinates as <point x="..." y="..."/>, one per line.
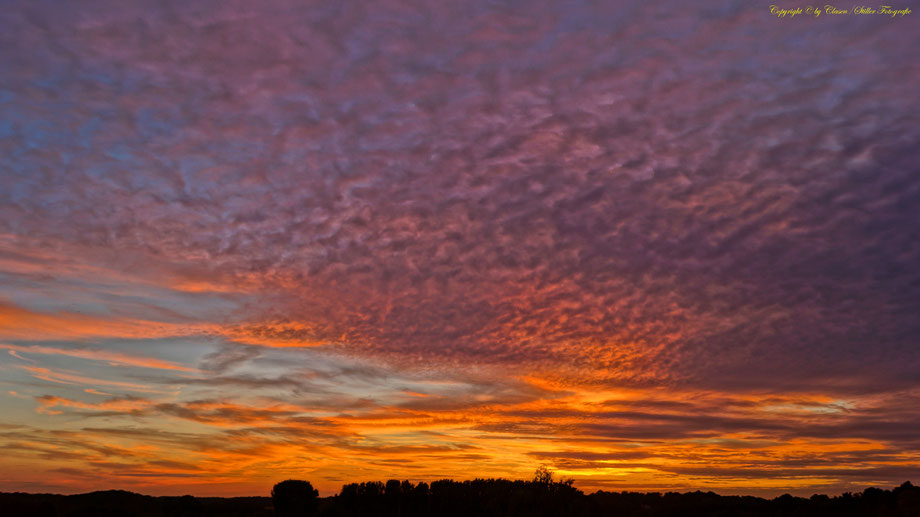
<point x="70" y="378"/>
<point x="17" y="323"/>
<point x="122" y="405"/>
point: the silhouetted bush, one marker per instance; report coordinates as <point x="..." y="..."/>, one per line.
<point x="294" y="498"/>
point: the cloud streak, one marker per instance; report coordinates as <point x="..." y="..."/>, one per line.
<point x="110" y="357"/>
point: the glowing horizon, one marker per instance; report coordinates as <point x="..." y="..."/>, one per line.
<point x="653" y="247"/>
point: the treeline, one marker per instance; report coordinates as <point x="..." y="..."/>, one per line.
<point x="504" y="498"/>
<point x="485" y="497"/>
<point x="119" y="503"/>
<point x="902" y="501"/>
<point x="474" y="498"/>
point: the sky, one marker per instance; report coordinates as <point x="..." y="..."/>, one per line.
<point x="655" y="246"/>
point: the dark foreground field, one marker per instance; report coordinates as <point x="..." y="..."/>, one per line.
<point x="486" y="498"/>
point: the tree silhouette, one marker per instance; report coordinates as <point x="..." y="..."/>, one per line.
<point x="294" y="498"/>
<point x="543" y="475"/>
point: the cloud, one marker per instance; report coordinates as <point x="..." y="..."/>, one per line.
<point x="518" y="211"/>
<point x="75" y="379"/>
<point x="17" y="324"/>
<point x="546" y="195"/>
<point x="123" y="405"/>
<point x="113" y="358"/>
<point x="228" y="357"/>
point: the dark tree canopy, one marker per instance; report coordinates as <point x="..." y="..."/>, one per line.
<point x="294" y="498"/>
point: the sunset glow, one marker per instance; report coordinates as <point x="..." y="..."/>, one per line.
<point x="652" y="245"/>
